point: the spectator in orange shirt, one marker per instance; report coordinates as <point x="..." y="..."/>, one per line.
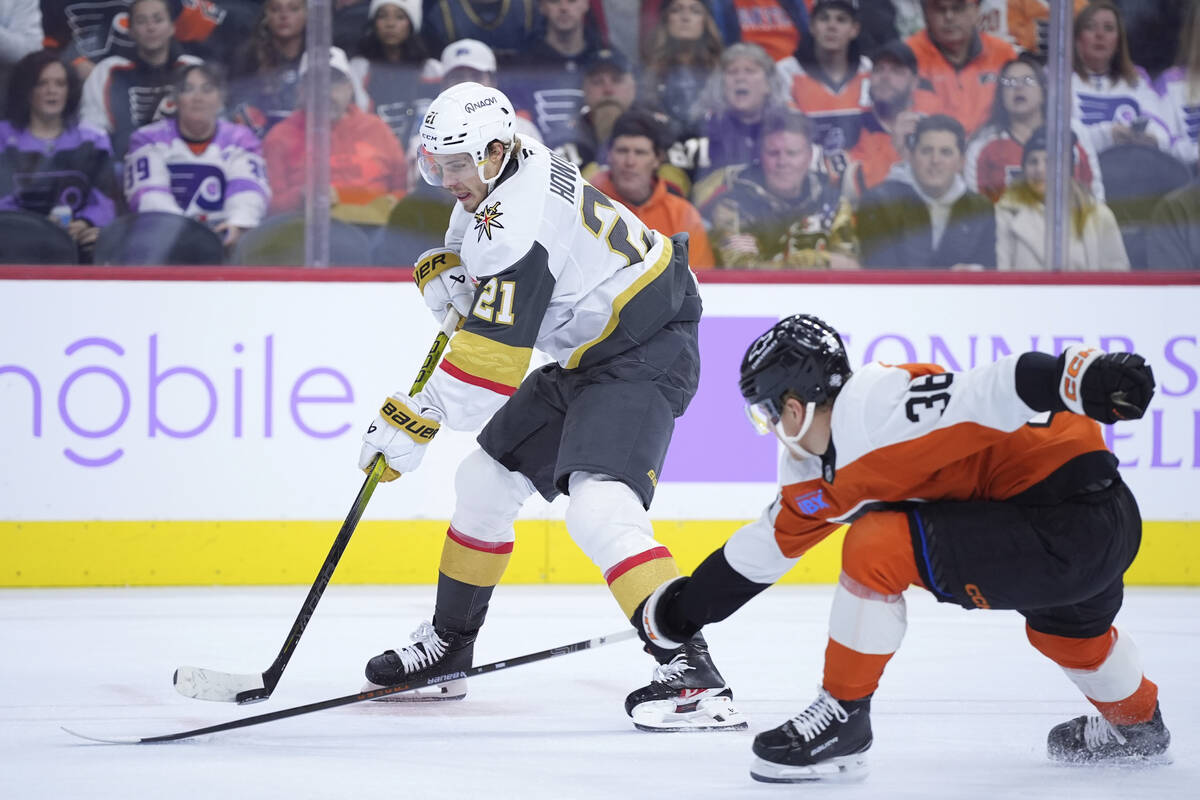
<point x="367" y="168"/>
<point x="827" y="78"/>
<point x="961" y="64"/>
<point x="899" y="100"/>
<point x="634" y="156"/>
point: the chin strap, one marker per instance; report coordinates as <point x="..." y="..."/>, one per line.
<point x="792" y="443"/>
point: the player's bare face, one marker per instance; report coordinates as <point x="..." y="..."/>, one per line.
<point x="392" y="26"/>
<point x="151" y="28"/>
<point x="834" y="29"/>
<point x="49" y="96"/>
<point x="746" y="86"/>
<point x="1020" y="91"/>
<point x="951" y="22"/>
<point x="564" y="16"/>
<point x="286" y="19"/>
<point x="891" y="82"/>
<point x="936" y="162"/>
<point x="786" y="156"/>
<point x="1097" y="41"/>
<point x="459" y="176"/>
<point x="685" y="20"/>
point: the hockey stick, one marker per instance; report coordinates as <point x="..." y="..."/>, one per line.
<point x="229" y="687"/>
<point x="373" y="694"/>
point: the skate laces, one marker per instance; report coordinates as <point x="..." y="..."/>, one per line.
<point x="428" y="647"/>
<point x="817" y="717"/>
<point x="672" y="669"/>
<point x="1097" y="731"/>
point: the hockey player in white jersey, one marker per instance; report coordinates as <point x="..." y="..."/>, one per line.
<point x="537" y="257"/>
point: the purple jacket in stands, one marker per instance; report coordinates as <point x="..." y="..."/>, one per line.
<point x="75" y="170"/>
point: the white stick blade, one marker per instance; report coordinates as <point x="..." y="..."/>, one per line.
<point x="221" y="687"/>
<point x="104" y="740"/>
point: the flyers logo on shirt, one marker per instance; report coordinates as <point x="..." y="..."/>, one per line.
<point x="486" y="219"/>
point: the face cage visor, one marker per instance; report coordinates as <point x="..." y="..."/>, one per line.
<point x="763" y="416"/>
<point x="440" y="169"/>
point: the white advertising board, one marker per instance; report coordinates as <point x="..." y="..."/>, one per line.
<point x="163" y="400"/>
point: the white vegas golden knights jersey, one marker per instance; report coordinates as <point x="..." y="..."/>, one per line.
<point x="560" y="267"/>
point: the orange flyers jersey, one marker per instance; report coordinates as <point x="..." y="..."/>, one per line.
<point x="1025" y="23"/>
<point x="837" y="111"/>
<point x="875" y="149"/>
<point x="967" y="92"/>
<point x="917" y="433"/>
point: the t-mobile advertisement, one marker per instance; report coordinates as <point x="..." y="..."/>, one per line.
<point x="208" y="400"/>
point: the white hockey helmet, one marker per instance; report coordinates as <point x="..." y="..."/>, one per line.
<point x="465" y="118"/>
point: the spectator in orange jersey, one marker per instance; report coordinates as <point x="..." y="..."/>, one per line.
<point x="899" y="99"/>
<point x="367" y="168"/>
<point x="1022" y="23"/>
<point x="994" y="153"/>
<point x="634" y="156"/>
<point x="961" y="64"/>
<point x="827" y="78"/>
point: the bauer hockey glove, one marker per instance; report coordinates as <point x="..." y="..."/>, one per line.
<point x="444" y="282"/>
<point x="1108" y="387"/>
<point x="401" y="434"/>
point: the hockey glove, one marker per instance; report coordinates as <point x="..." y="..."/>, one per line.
<point x="1108" y="387"/>
<point x="444" y="282"/>
<point x="401" y="434"/>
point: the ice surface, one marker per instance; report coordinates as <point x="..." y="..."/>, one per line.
<point x="962" y="713"/>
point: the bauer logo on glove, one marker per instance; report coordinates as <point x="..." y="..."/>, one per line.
<point x="415" y="426"/>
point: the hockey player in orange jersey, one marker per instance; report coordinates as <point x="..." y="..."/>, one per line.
<point x="990" y="488"/>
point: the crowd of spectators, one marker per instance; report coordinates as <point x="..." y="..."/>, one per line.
<point x="780" y="134"/>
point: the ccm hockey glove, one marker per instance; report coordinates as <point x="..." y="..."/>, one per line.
<point x="444" y="283"/>
<point x="1108" y="387"/>
<point x="401" y="434"/>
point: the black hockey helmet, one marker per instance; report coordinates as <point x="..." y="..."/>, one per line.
<point x="802" y="355"/>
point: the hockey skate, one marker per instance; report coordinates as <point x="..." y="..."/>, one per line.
<point x="828" y="741"/>
<point x="434" y="655"/>
<point x="685" y="694"/>
<point x="1094" y="740"/>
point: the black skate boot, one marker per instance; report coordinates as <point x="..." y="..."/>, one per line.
<point x="685" y="694"/>
<point x="434" y="655"/>
<point x="828" y="741"/>
<point x="1094" y="740"/>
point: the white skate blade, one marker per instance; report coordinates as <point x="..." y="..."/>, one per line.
<point x="450" y="690"/>
<point x="845" y="769"/>
<point x="710" y="714"/>
<point x="222" y="687"/>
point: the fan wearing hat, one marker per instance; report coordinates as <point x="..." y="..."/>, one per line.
<point x="827" y="77"/>
<point x="367" y="168"/>
<point x="392" y="61"/>
<point x="899" y="100"/>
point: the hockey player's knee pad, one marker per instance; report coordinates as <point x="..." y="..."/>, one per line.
<point x="878" y="554"/>
<point x="607" y="520"/>
<point x="488" y="498"/>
